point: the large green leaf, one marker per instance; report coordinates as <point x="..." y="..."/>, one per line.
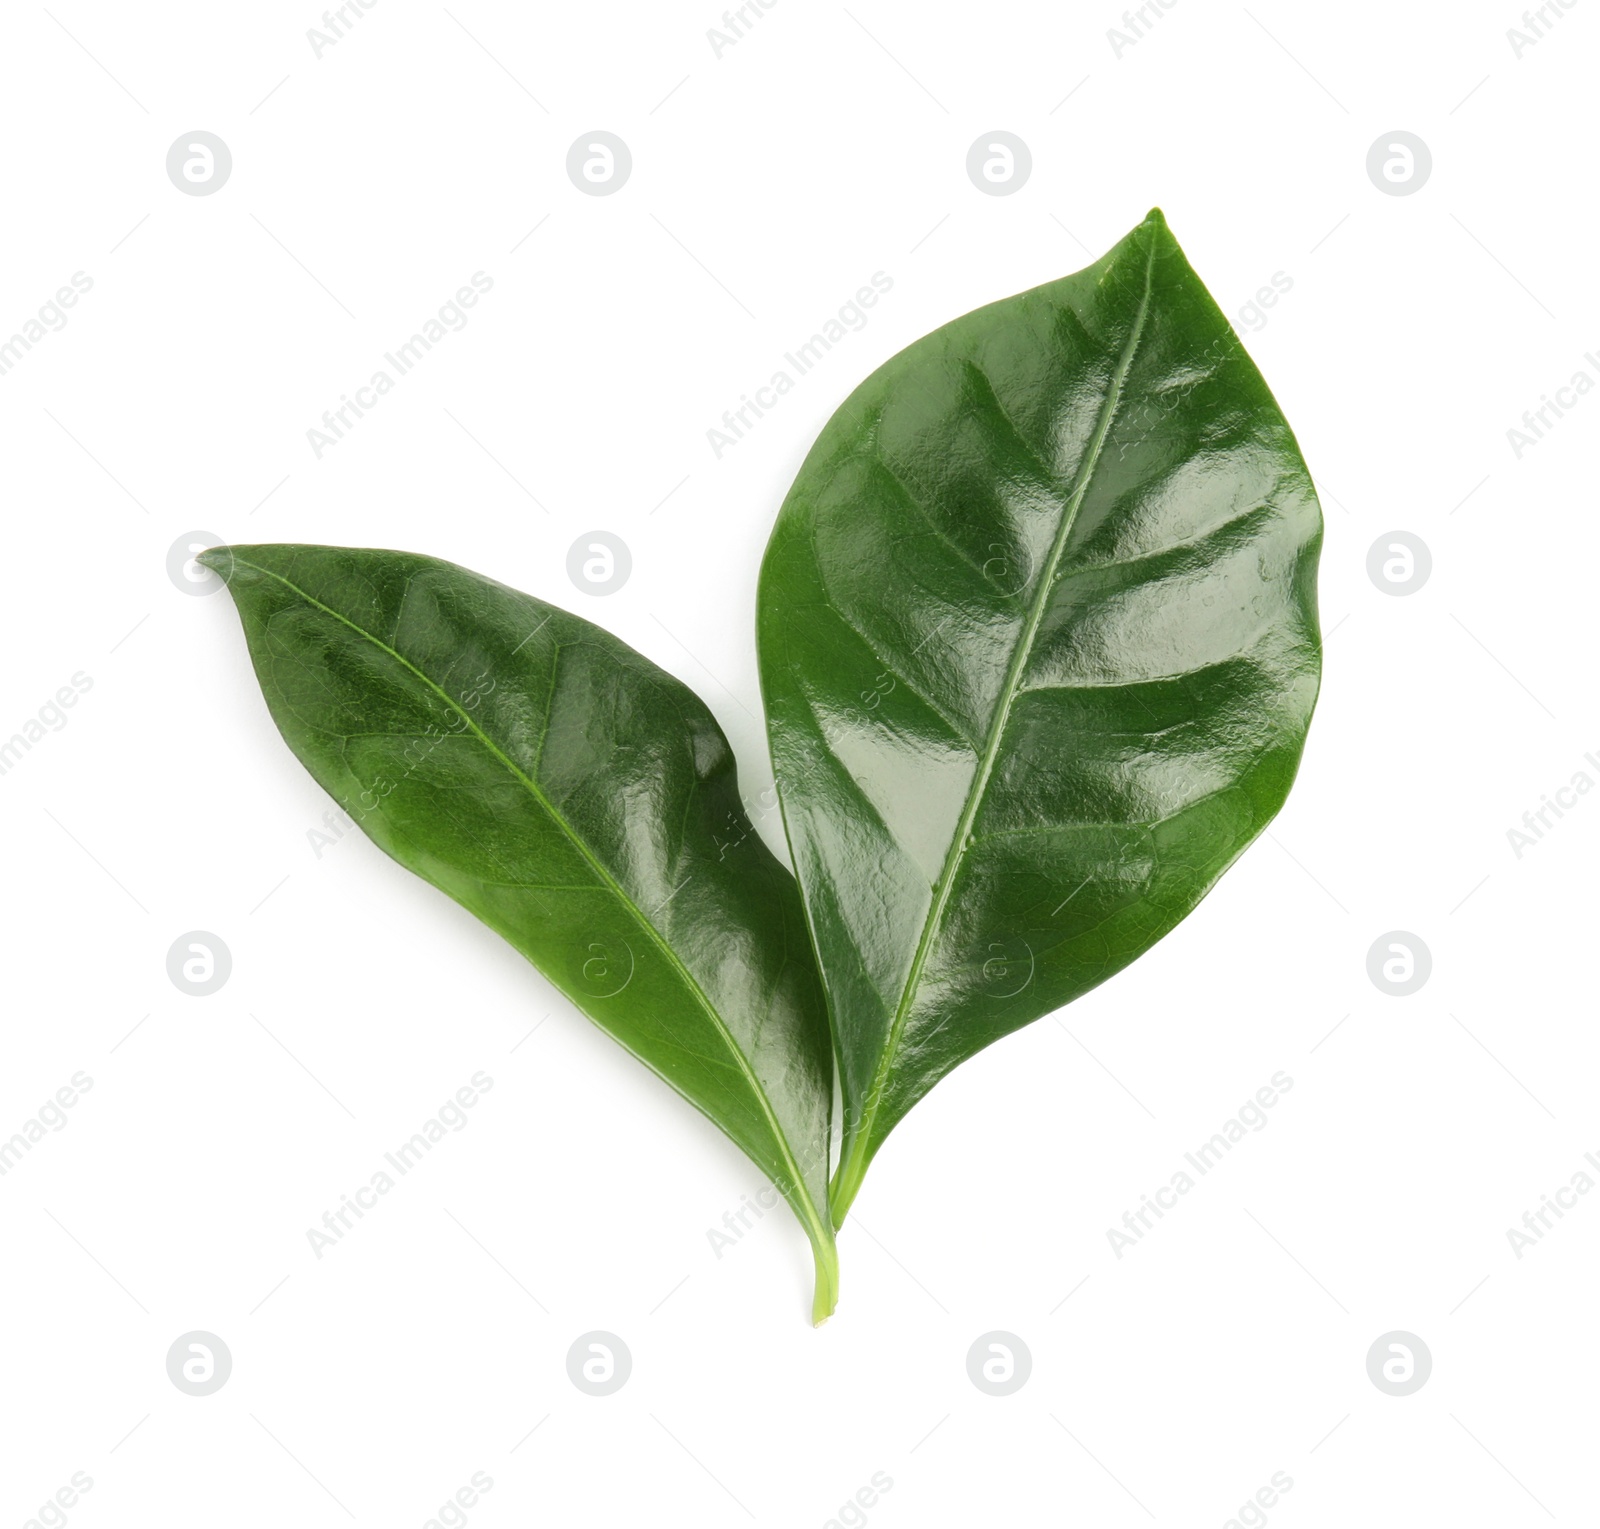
<point x="581" y="802"/>
<point x="1039" y="647"/>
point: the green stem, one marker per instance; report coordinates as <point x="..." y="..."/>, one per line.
<point x="852" y="1170"/>
<point x="827" y="1287"/>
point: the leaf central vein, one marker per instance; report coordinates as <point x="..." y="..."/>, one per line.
<point x="1008" y="693"/>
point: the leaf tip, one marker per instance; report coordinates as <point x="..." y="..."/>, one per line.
<point x="219" y="560"/>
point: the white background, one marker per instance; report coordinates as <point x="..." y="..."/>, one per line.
<point x="769" y="183"/>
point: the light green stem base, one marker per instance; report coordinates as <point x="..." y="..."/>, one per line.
<point x="846" y="1182"/>
<point x="827" y="1287"/>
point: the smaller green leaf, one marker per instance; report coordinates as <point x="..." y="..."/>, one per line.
<point x="581" y="802"/>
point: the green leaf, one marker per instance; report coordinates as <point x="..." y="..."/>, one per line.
<point x="581" y="802"/>
<point x="1039" y="647"/>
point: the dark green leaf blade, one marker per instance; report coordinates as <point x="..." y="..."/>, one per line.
<point x="580" y="801"/>
<point x="1039" y="648"/>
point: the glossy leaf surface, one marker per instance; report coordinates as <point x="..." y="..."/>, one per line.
<point x="1039" y="648"/>
<point x="580" y="801"/>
